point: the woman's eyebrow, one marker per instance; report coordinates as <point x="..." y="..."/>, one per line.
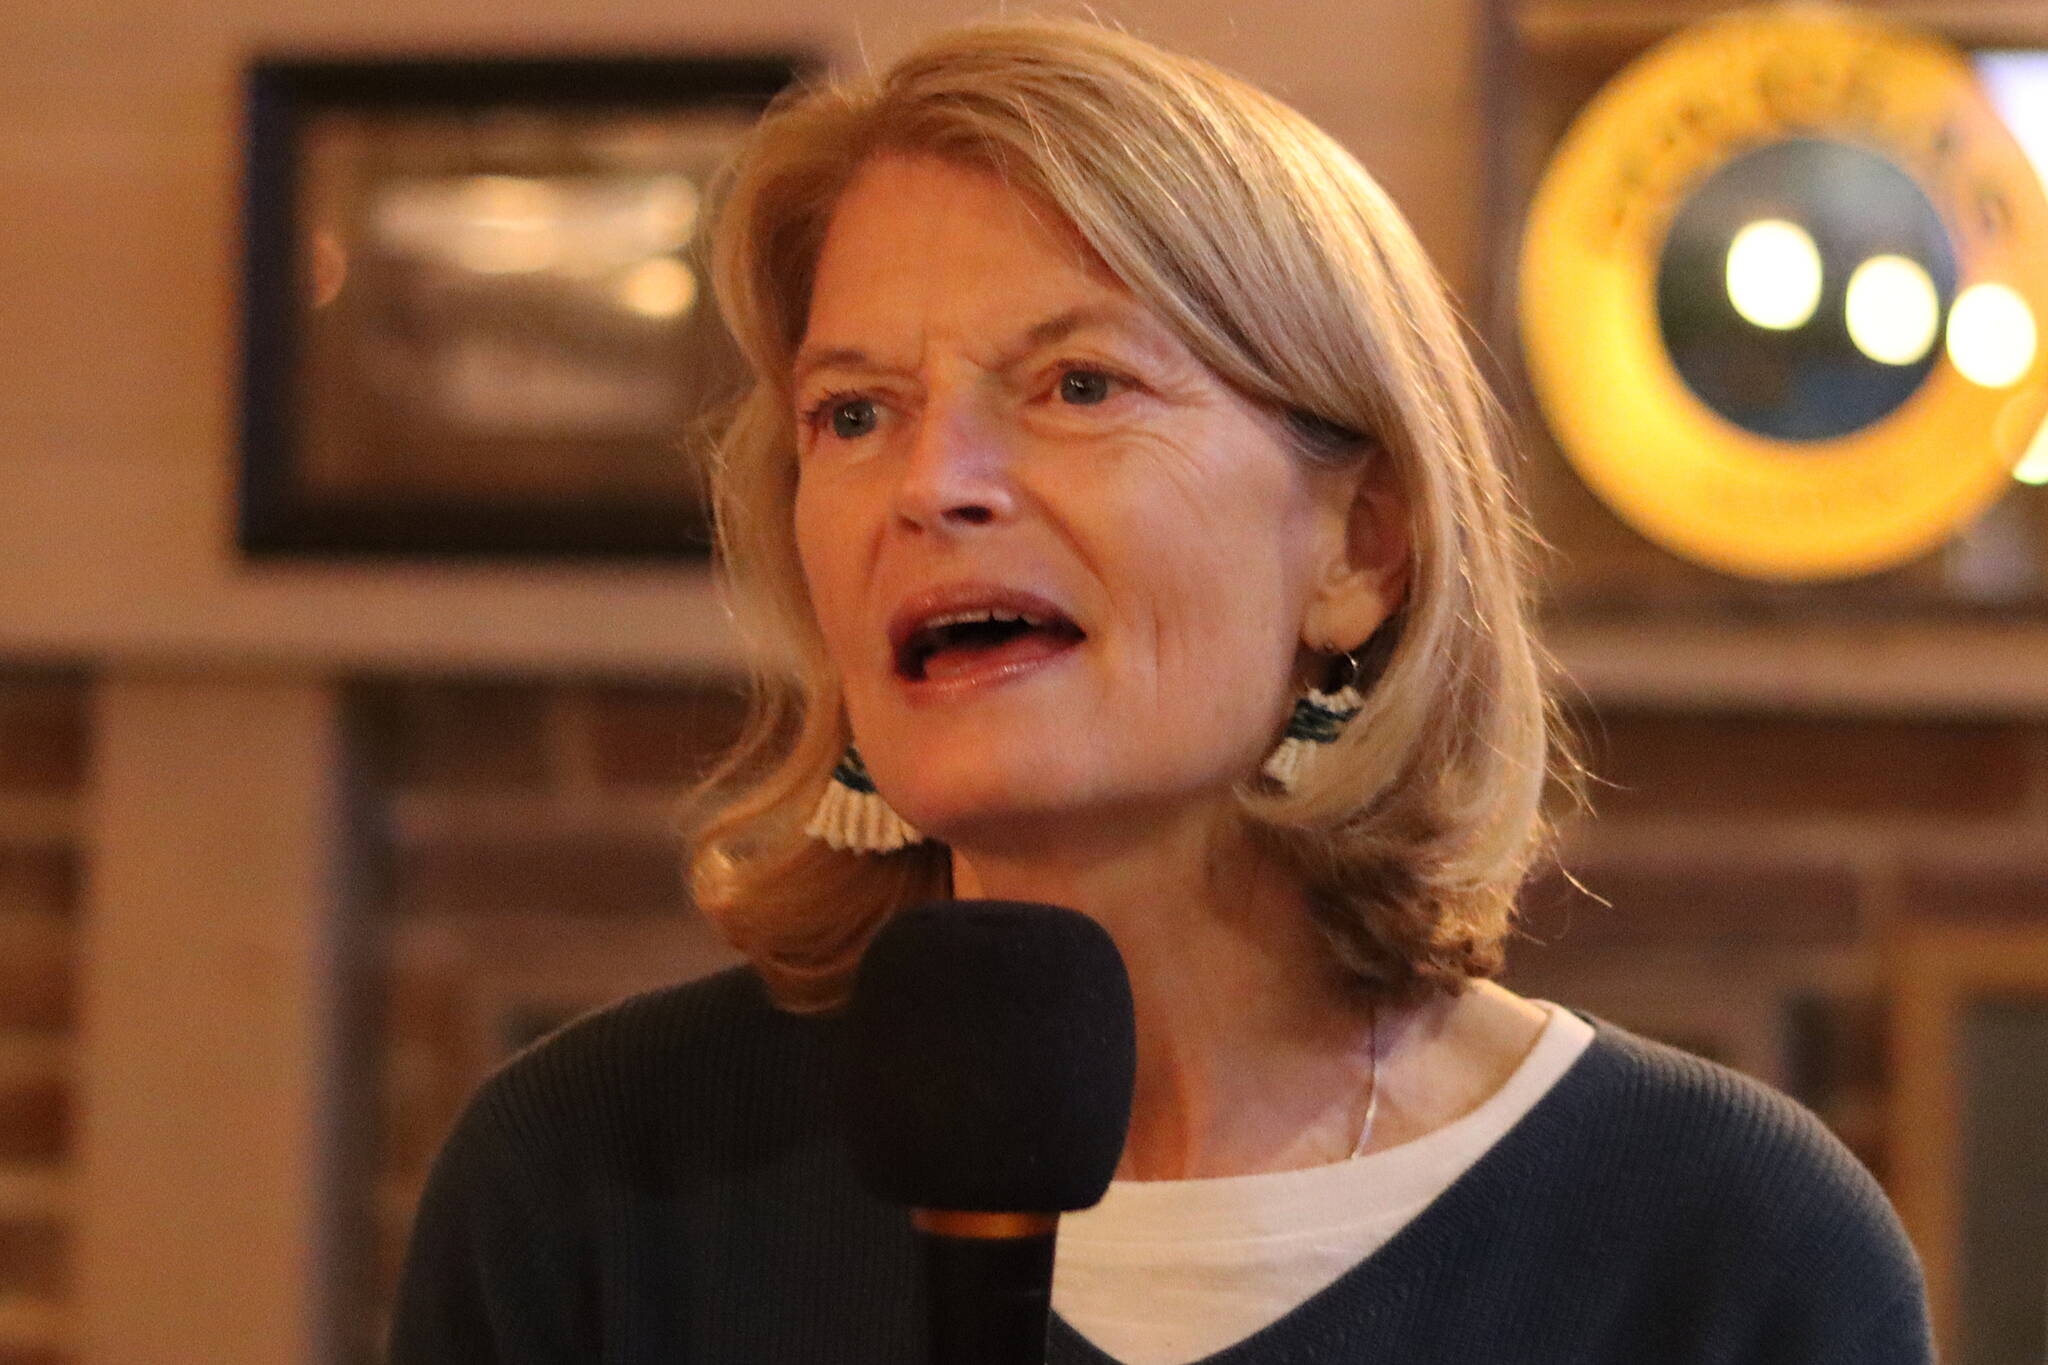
<point x="830" y="358"/>
<point x="1062" y="325"/>
<point x="1039" y="335"/>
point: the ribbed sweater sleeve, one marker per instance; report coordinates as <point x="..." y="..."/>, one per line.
<point x="1719" y="1221"/>
<point x="1837" y="1279"/>
<point x="1845" y="1286"/>
<point x="657" y="1182"/>
<point x="497" y="1271"/>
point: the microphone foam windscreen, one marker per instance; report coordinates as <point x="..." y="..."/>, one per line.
<point x="989" y="1054"/>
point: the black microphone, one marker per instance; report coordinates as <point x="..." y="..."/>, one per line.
<point x="989" y="1054"/>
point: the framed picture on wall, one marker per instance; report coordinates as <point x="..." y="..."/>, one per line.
<point x="476" y="318"/>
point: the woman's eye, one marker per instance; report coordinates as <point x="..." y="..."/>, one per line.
<point x="1085" y="386"/>
<point x="852" y="417"/>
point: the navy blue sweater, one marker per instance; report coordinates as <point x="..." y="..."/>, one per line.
<point x="659" y="1182"/>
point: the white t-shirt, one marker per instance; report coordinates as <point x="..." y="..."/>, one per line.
<point x="1164" y="1272"/>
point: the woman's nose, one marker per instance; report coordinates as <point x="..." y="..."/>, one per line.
<point x="956" y="472"/>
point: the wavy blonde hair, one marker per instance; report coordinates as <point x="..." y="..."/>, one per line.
<point x="1284" y="266"/>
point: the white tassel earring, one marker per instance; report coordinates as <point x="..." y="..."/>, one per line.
<point x="852" y="816"/>
<point x="1319" y="717"/>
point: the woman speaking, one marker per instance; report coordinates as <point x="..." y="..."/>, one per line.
<point x="1115" y="476"/>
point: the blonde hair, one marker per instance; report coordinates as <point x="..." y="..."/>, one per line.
<point x="1286" y="269"/>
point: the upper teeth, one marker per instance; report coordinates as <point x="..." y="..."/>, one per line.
<point x="969" y="617"/>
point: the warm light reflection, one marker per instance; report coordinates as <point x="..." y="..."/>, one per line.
<point x="2033" y="466"/>
<point x="1774" y="274"/>
<point x="1991" y="337"/>
<point x="574" y="227"/>
<point x="660" y="288"/>
<point x="668" y="212"/>
<point x="511" y="225"/>
<point x="1892" y="309"/>
<point x="328" y="267"/>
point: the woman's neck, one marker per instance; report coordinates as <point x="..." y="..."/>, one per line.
<point x="1250" y="1056"/>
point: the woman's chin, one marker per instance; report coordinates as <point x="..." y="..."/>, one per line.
<point x="1044" y="807"/>
<point x="980" y="813"/>
<point x="986" y="823"/>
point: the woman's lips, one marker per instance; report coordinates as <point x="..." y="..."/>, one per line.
<point x="970" y="633"/>
<point x="954" y="676"/>
<point x="964" y="665"/>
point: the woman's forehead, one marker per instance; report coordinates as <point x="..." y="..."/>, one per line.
<point x="918" y="246"/>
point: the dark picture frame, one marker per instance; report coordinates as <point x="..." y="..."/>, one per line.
<point x="475" y="319"/>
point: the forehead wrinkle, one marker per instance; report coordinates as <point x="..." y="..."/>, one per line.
<point x="957" y="330"/>
<point x="1118" y="319"/>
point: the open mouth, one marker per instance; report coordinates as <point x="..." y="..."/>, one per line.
<point x="955" y="644"/>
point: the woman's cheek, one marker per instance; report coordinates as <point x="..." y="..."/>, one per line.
<point x="824" y="577"/>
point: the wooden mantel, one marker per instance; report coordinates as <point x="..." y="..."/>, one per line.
<point x="1974" y="666"/>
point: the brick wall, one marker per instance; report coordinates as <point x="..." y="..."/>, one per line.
<point x="1755" y="867"/>
<point x="42" y="774"/>
<point x="534" y="873"/>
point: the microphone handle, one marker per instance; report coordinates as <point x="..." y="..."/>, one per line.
<point x="991" y="1298"/>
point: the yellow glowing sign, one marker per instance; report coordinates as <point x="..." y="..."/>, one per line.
<point x="1963" y="341"/>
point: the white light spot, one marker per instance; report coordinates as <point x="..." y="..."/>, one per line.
<point x="1991" y="336"/>
<point x="1893" y="310"/>
<point x="1774" y="274"/>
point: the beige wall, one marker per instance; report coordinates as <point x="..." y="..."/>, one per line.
<point x="117" y="330"/>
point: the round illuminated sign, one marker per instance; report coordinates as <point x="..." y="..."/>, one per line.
<point x="1783" y="291"/>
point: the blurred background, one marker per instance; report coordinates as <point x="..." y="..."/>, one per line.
<point x="356" y="642"/>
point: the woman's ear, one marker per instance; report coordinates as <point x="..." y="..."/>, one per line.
<point x="1363" y="576"/>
